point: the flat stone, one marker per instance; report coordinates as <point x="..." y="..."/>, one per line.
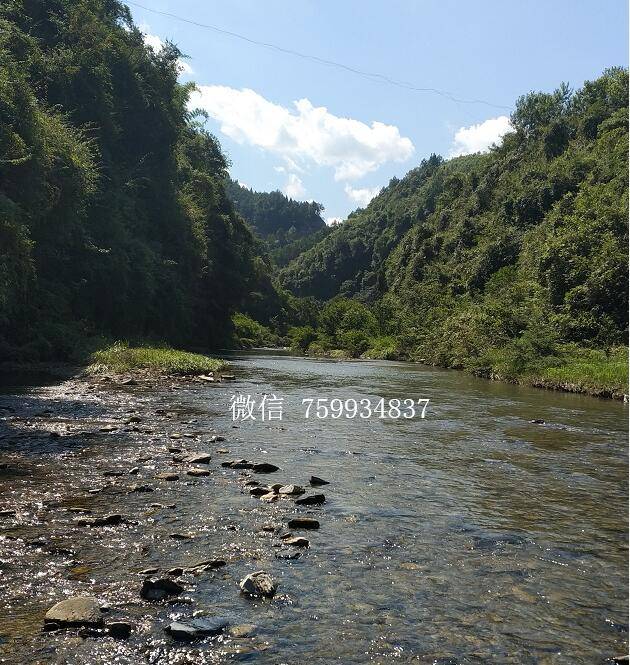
<point x="159" y="589"/>
<point x="180" y="536"/>
<point x="238" y="464"/>
<point x="303" y="523"/>
<point x="142" y="488"/>
<point x="175" y="572"/>
<point x="269" y="497"/>
<point x="312" y="500"/>
<point x="265" y="467"/>
<point x="148" y="571"/>
<point x="296" y="541"/>
<point x="167" y="476"/>
<point x="197" y="458"/>
<point x="259" y="583"/>
<point x="318" y="481"/>
<point x="291" y="490"/>
<point x="193" y="629"/>
<point x="197" y="473"/>
<point x="76" y="611"/>
<point x="259" y="491"/>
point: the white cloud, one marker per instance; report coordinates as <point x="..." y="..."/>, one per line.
<point x="157" y="45"/>
<point x="361" y="196"/>
<point x="479" y="138"/>
<point x="294" y="188"/>
<point x="304" y="134"/>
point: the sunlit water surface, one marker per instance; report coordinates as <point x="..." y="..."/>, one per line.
<point x="470" y="536"/>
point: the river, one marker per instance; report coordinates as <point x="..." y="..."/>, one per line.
<point x="472" y="535"/>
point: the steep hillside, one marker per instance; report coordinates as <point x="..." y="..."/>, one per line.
<point x="113" y="213"/>
<point x="287" y="227"/>
<point x="521" y="249"/>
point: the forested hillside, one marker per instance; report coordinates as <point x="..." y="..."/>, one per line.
<point x="498" y="261"/>
<point x="113" y="212"/>
<point x="285" y="226"/>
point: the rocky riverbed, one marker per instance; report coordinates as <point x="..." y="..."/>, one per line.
<point x="141" y="525"/>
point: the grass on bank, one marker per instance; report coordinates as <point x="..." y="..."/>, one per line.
<point x="121" y="357"/>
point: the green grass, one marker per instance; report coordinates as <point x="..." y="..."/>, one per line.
<point x="591" y="371"/>
<point x="120" y="357"/>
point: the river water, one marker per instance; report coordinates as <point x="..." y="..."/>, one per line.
<point x="470" y="536"/>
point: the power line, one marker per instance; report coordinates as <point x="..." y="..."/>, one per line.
<point x="322" y="61"/>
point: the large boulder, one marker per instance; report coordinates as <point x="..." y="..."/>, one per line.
<point x="76" y="611"/>
<point x="259" y="583"/>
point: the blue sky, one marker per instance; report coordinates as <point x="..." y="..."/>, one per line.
<point x="321" y="133"/>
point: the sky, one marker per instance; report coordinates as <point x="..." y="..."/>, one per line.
<point x="321" y="132"/>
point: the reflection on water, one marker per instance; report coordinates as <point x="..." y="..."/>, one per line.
<point x="471" y="536"/>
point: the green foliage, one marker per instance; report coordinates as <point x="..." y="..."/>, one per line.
<point x="113" y="211"/>
<point x="120" y="357"/>
<point x="493" y="262"/>
<point x="251" y="334"/>
<point x="285" y="226"/>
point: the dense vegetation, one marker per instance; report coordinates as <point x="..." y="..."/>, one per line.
<point x="113" y="212"/>
<point x="510" y="263"/>
<point x="285" y="226"/>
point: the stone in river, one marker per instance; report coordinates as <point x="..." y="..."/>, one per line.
<point x="142" y="488"/>
<point x="134" y="471"/>
<point x="312" y="500"/>
<point x="148" y="571"/>
<point x="174" y="449"/>
<point x="179" y="536"/>
<point x="303" y="523"/>
<point x="270" y="497"/>
<point x="113" y="474"/>
<point x="296" y="541"/>
<point x="537" y="421"/>
<point x="276" y="487"/>
<point x="265" y="467"/>
<point x="243" y="630"/>
<point x="159" y="589"/>
<point x="197" y="458"/>
<point x="193" y="629"/>
<point x="167" y="476"/>
<point x="291" y="489"/>
<point x="119" y="629"/>
<point x="259" y="583"/>
<point x="318" y="481"/>
<point x="238" y="464"/>
<point x="259" y="491"/>
<point x="197" y="472"/>
<point x="175" y="572"/>
<point x="76" y="611"/>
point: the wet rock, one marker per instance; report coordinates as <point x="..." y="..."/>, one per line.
<point x="312" y="500"/>
<point x="129" y="382"/>
<point x="216" y="438"/>
<point x="194" y="629"/>
<point x="211" y="564"/>
<point x="537" y="421"/>
<point x="268" y="527"/>
<point x="243" y="630"/>
<point x="291" y="490"/>
<point x="76" y="611"/>
<point x="119" y="630"/>
<point x="222" y="451"/>
<point x="167" y="476"/>
<point x="113" y="474"/>
<point x="318" y="481"/>
<point x="238" y="464"/>
<point x="148" y="571"/>
<point x="296" y="541"/>
<point x="175" y="572"/>
<point x="174" y="449"/>
<point x="142" y="488"/>
<point x="134" y="471"/>
<point x="227" y="377"/>
<point x="259" y="491"/>
<point x="197" y="473"/>
<point x="259" y="583"/>
<point x="251" y="483"/>
<point x="180" y="536"/>
<point x="8" y="513"/>
<point x="108" y="520"/>
<point x="270" y="497"/>
<point x="303" y="523"/>
<point x="197" y="458"/>
<point x="159" y="589"/>
<point x="265" y="467"/>
<point x="620" y="660"/>
<point x="275" y="487"/>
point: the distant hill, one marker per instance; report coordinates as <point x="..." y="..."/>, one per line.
<point x="278" y="220"/>
<point x="525" y="242"/>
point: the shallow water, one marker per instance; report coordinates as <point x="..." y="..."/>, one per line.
<point x="470" y="536"/>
